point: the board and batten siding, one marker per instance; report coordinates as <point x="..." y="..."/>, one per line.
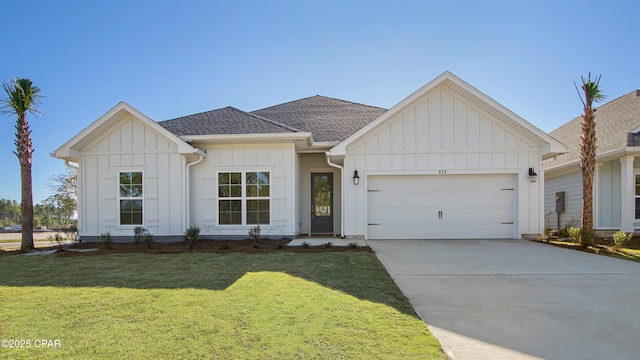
<point x="131" y="146"/>
<point x="571" y="184"/>
<point x="442" y="134"/>
<point x="279" y="159"/>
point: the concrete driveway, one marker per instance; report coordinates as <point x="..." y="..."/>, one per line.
<point x="517" y="299"/>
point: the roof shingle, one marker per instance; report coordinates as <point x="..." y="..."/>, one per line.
<point x="328" y="119"/>
<point x="614" y="120"/>
<point x="227" y="120"/>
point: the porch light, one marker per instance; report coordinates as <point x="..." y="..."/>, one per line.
<point x="356" y="178"/>
<point x="532" y="175"/>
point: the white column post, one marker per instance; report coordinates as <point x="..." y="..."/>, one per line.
<point x="627" y="193"/>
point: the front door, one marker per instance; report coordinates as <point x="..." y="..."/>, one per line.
<point x="322" y="203"/>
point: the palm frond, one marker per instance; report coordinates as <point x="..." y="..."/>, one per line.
<point x="22" y="97"/>
<point x="592" y="91"/>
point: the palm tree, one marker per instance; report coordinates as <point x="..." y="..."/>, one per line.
<point x="592" y="92"/>
<point x="22" y="97"/>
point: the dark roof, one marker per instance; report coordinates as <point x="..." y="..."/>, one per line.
<point x="328" y="119"/>
<point x="227" y="120"/>
<point x="614" y="121"/>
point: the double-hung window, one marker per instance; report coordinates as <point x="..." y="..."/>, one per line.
<point x="244" y="198"/>
<point x="130" y="196"/>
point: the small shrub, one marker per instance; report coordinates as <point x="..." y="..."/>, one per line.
<point x="256" y="245"/>
<point x="192" y="235"/>
<point x="570" y="224"/>
<point x="71" y="233"/>
<point x="587" y="238"/>
<point x="574" y="234"/>
<point x="56" y="240"/>
<point x="254" y="232"/>
<point x="306" y="245"/>
<point x="224" y="247"/>
<point x="138" y="233"/>
<point x="328" y="245"/>
<point x="148" y="239"/>
<point x="353" y="245"/>
<point x="281" y="246"/>
<point x="621" y="239"/>
<point x="107" y="240"/>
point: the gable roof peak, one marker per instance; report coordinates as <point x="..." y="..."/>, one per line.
<point x="470" y="94"/>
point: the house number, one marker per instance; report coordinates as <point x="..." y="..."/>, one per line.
<point x="442" y="171"/>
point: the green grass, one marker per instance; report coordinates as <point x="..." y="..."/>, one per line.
<point x="338" y="305"/>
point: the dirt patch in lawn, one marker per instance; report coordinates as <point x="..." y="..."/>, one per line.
<point x="214" y="246"/>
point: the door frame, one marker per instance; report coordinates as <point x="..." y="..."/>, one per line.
<point x="332" y="206"/>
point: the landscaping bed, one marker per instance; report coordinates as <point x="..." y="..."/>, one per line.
<point x="603" y="246"/>
<point x="207" y="246"/>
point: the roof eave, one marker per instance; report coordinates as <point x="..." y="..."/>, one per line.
<point x="550" y="145"/>
<point x="606" y="156"/>
<point x="235" y="138"/>
<point x="69" y="151"/>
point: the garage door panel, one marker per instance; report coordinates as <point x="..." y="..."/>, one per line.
<point x="440" y="207"/>
<point x="448" y="197"/>
<point x="392" y="215"/>
<point x="409" y="231"/>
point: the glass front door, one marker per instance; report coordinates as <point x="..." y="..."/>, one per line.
<point x="322" y="203"/>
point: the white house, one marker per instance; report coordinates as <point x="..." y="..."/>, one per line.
<point x="446" y="162"/>
<point x="616" y="190"/>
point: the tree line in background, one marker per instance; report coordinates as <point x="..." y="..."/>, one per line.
<point x="56" y="211"/>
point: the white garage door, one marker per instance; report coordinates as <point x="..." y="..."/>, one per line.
<point x="440" y="207"/>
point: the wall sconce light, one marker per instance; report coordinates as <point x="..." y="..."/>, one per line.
<point x="356" y="178"/>
<point x="532" y="175"/>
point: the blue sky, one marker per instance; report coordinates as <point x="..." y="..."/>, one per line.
<point x="174" y="58"/>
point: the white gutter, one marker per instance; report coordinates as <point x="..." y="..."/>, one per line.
<point x="202" y="155"/>
<point x="231" y="138"/>
<point x="609" y="155"/>
<point x="328" y="155"/>
<point x="67" y="163"/>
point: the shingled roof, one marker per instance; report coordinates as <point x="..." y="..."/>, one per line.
<point x="328" y="119"/>
<point x="614" y="121"/>
<point x="227" y="120"/>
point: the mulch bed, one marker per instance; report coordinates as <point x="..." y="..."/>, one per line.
<point x="602" y="245"/>
<point x="204" y="246"/>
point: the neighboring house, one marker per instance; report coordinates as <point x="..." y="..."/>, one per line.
<point x="616" y="190"/>
<point x="446" y="162"/>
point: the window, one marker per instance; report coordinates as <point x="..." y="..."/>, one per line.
<point x="244" y="198"/>
<point x="230" y="194"/>
<point x="637" y="193"/>
<point x="131" y="198"/>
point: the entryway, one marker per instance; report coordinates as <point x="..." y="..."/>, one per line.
<point x="322" y="203"/>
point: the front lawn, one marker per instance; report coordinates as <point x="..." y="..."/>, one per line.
<point x="204" y="305"/>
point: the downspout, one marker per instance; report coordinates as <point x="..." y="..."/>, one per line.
<point x="341" y="191"/>
<point x="202" y="155"/>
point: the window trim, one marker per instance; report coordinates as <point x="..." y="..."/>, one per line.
<point x="120" y="198"/>
<point x="243" y="196"/>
